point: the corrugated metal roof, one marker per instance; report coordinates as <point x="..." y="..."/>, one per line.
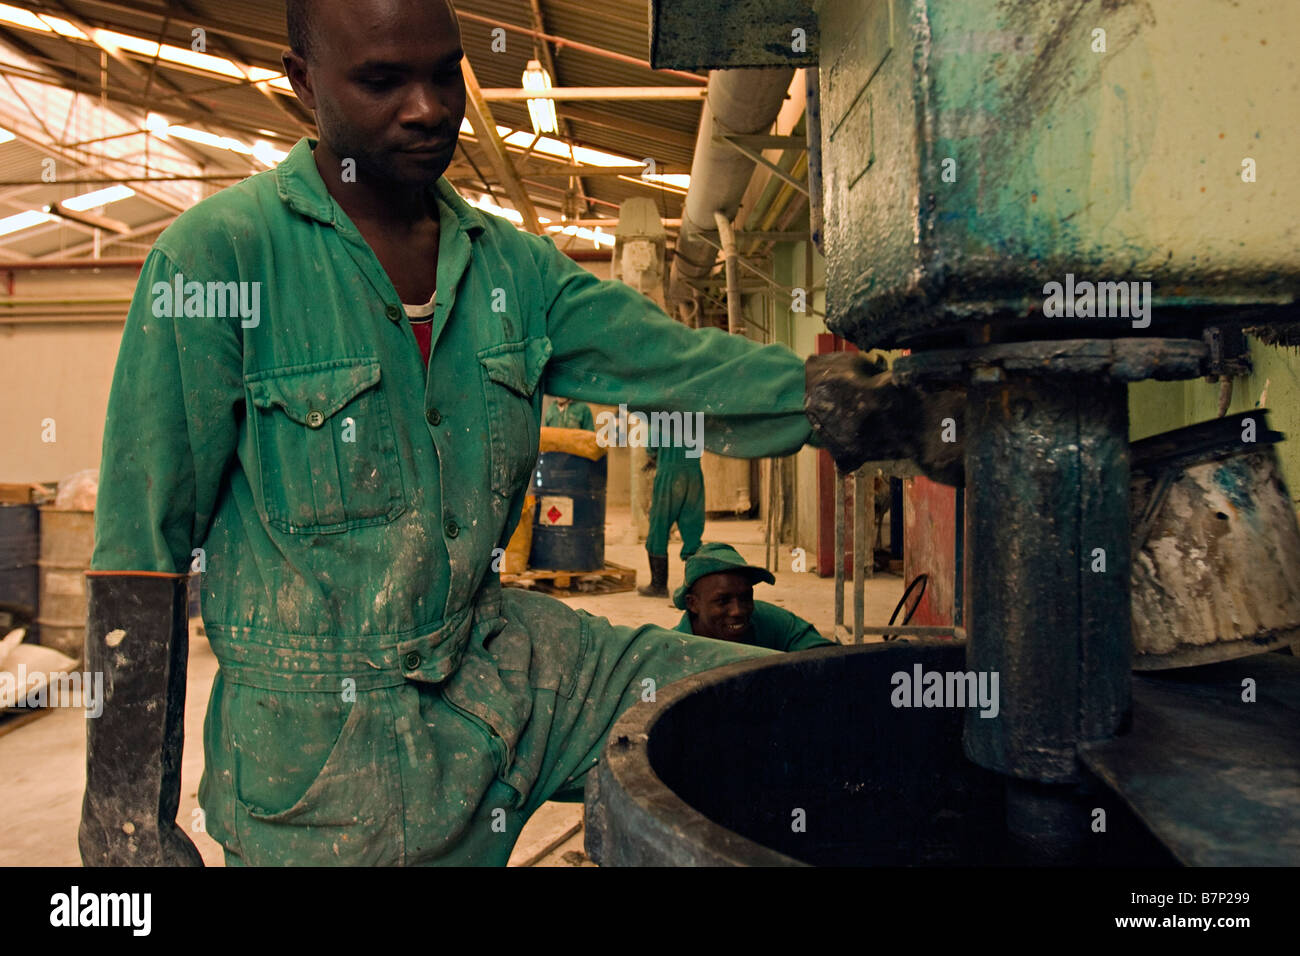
<point x="253" y="33"/>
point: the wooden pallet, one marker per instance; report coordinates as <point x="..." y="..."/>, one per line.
<point x="610" y="579"/>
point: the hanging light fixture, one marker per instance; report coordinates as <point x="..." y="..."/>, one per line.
<point x="541" y="111"/>
<point x="573" y="206"/>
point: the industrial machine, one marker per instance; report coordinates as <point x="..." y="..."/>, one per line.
<point x="1044" y="201"/>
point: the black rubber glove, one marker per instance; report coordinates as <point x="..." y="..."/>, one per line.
<point x="860" y="414"/>
<point x="137" y="635"/>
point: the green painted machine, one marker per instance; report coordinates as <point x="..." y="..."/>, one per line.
<point x="1044" y="200"/>
<point x="976" y="151"/>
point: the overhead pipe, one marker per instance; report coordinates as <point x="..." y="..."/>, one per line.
<point x="739" y="102"/>
<point x="732" y="257"/>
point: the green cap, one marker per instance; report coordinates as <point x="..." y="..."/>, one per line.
<point x="712" y="558"/>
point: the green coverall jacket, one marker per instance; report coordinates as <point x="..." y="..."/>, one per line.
<point x="577" y="415"/>
<point x="775" y="628"/>
<point x="381" y="699"/>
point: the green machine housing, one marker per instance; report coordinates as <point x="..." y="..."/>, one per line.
<point x="976" y="151"/>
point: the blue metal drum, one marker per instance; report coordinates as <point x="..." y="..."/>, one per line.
<point x="569" y="516"/>
<point x="19" y="549"/>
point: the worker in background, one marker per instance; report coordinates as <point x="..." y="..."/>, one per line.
<point x="718" y="598"/>
<point x="344" y="487"/>
<point x="677" y="498"/>
<point x="566" y="413"/>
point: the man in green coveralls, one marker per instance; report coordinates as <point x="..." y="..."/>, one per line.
<point x="344" y="481"/>
<point x="566" y="413"/>
<point x="677" y="499"/>
<point x="381" y="699"/>
<point x="718" y="598"/>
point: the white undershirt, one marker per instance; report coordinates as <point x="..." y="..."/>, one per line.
<point x="421" y="311"/>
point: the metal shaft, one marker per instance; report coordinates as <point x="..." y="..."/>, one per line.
<point x="1047" y="484"/>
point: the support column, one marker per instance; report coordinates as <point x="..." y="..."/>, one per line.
<point x="1047" y="485"/>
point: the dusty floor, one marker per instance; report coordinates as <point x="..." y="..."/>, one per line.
<point x="42" y="763"/>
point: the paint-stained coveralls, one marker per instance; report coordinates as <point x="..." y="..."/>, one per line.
<point x="381" y="699"/>
<point x="677" y="498"/>
<point x="572" y="415"/>
<point x="775" y="628"/>
<point x="770" y="626"/>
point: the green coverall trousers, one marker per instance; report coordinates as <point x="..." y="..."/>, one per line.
<point x="380" y="797"/>
<point x="678" y="498"/>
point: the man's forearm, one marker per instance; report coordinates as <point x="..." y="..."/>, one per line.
<point x="611" y="344"/>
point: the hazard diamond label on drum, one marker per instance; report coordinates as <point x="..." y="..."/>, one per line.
<point x="555" y="510"/>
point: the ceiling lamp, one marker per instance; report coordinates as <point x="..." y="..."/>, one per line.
<point x="24" y="220"/>
<point x="100" y="197"/>
<point x="542" y="111"/>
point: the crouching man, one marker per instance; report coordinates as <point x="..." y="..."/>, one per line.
<point x="718" y="598"/>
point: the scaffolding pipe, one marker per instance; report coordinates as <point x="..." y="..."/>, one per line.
<point x="771" y="510"/>
<point x="859" y="535"/>
<point x="839" y="554"/>
<point x="869" y="519"/>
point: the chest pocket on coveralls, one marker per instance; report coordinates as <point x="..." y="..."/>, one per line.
<point x="325" y="447"/>
<point x="510" y="376"/>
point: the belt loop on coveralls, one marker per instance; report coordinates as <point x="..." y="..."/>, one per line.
<point x="296" y="662"/>
<point x="432" y="658"/>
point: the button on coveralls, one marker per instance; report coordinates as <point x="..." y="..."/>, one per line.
<point x="381" y="699"/>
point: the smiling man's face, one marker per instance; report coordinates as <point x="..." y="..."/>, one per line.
<point x="384" y="78"/>
<point x="721" y="605"/>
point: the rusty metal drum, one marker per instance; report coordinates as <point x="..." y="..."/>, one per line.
<point x="1216" y="545"/>
<point x="67" y="542"/>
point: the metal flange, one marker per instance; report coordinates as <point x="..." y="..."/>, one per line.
<point x="1121" y="360"/>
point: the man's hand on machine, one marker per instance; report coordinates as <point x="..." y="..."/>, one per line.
<point x="859" y="414"/>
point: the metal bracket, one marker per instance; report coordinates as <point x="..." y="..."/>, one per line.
<point x="744" y="263"/>
<point x="1229" y="353"/>
<point x="742" y="145"/>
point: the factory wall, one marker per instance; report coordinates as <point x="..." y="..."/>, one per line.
<point x="618" y="487"/>
<point x="799" y="331"/>
<point x="59" y="370"/>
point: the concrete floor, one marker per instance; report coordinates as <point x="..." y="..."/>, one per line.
<point x="42" y="763"/>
